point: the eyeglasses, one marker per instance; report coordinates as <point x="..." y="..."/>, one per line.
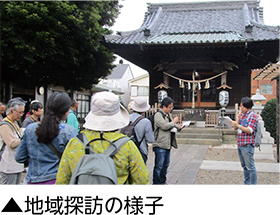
<point x="20" y="112"/>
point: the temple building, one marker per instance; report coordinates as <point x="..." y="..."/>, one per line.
<point x="193" y="51"/>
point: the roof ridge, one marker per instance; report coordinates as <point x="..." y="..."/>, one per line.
<point x="209" y="5"/>
<point x="155" y="19"/>
<point x="266" y="27"/>
<point x="147" y="25"/>
<point x="200" y="32"/>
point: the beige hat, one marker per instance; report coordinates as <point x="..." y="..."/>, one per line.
<point x="106" y="113"/>
<point x="140" y="105"/>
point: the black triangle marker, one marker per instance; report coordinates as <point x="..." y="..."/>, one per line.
<point x="12" y="206"/>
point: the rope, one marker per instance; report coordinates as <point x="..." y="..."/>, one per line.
<point x="196" y="81"/>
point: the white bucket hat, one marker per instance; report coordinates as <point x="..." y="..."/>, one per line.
<point x="140" y="105"/>
<point x="106" y="113"/>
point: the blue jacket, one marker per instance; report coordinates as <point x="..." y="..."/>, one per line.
<point x="43" y="163"/>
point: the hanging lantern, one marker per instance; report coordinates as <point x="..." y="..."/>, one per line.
<point x="161" y="95"/>
<point x="199" y="86"/>
<point x="224" y="98"/>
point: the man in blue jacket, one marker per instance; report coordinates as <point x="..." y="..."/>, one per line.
<point x="72" y="116"/>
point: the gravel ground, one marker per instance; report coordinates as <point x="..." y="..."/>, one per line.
<point x="232" y="177"/>
<point x="231" y="154"/>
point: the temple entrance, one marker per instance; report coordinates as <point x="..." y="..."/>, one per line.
<point x="203" y="97"/>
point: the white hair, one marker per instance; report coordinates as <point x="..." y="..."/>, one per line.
<point x="14" y="104"/>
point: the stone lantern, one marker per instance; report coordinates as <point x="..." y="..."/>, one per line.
<point x="257" y="109"/>
<point x="257" y="99"/>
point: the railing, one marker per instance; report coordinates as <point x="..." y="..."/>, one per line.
<point x="211" y="118"/>
<point x="155" y="108"/>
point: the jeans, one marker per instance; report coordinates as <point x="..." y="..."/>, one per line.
<point x="162" y="161"/>
<point x="246" y="156"/>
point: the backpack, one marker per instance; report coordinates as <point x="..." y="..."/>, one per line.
<point x="258" y="134"/>
<point x="94" y="168"/>
<point x="130" y="132"/>
<point x="152" y="119"/>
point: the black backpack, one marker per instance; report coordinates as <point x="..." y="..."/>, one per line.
<point x="130" y="132"/>
<point x="152" y="119"/>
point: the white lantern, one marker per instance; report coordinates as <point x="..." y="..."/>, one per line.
<point x="161" y="95"/>
<point x="224" y="98"/>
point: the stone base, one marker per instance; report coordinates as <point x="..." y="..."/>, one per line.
<point x="200" y="124"/>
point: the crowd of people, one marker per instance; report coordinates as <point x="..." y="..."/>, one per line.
<point x="46" y="146"/>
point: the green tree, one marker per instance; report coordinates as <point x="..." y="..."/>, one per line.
<point x="269" y="117"/>
<point x="56" y="42"/>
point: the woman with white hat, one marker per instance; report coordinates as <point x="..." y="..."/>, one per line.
<point x="105" y="118"/>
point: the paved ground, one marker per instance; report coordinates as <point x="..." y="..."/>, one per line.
<point x="202" y="164"/>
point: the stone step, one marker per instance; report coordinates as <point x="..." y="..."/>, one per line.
<point x="206" y="136"/>
<point x="229" y="139"/>
<point x="197" y="136"/>
<point x="200" y="130"/>
<point x="199" y="141"/>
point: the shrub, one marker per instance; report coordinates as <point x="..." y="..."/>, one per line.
<point x="269" y="117"/>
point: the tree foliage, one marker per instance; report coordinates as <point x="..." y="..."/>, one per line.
<point x="269" y="117"/>
<point x="56" y="42"/>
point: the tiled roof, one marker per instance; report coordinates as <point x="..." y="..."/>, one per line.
<point x="200" y="22"/>
<point x="184" y="38"/>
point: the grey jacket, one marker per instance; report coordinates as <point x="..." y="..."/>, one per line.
<point x="163" y="134"/>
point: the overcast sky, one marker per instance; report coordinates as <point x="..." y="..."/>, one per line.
<point x="133" y="12"/>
